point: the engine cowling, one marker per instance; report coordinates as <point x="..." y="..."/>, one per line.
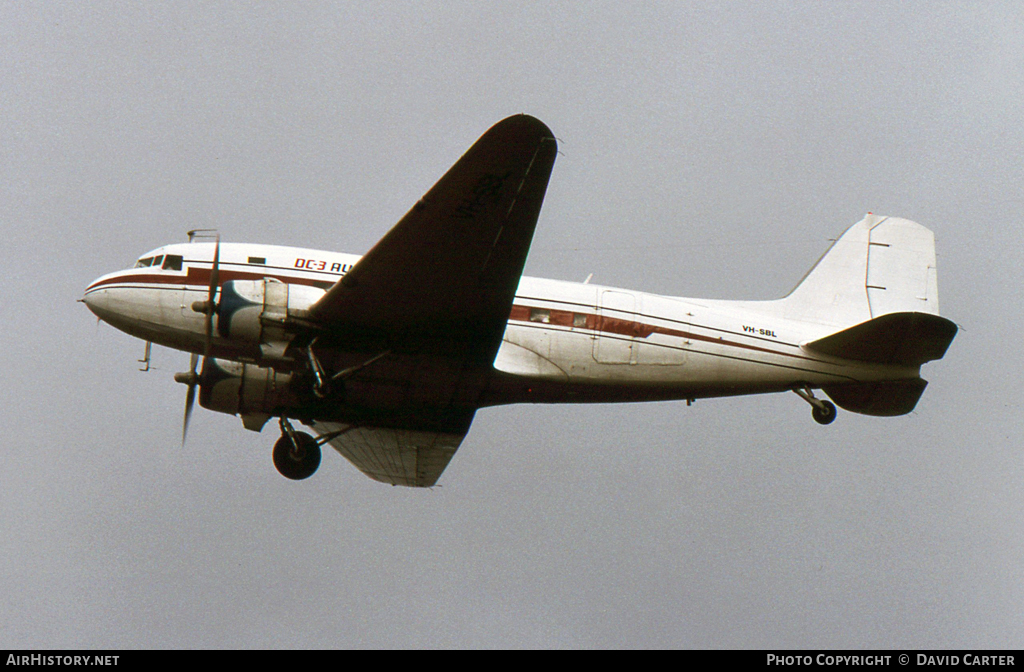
<point x="254" y="392"/>
<point x="261" y="312"/>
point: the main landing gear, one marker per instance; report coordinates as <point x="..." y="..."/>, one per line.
<point x="822" y="410"/>
<point x="322" y="384"/>
<point x="296" y="454"/>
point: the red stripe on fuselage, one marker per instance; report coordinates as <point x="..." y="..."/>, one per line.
<point x="621" y="327"/>
<point x="199" y="277"/>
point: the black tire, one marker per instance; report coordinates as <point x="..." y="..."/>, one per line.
<point x="824" y="416"/>
<point x="297" y="464"/>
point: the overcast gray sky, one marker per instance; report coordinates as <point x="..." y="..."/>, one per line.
<point x="706" y="150"/>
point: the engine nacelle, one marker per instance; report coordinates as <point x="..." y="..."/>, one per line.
<point x="254" y="392"/>
<point x="258" y="312"/>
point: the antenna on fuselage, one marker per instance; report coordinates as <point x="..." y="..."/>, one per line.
<point x="202" y="234"/>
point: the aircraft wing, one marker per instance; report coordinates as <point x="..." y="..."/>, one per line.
<point x="435" y="295"/>
<point x="443" y="279"/>
<point x="397" y="456"/>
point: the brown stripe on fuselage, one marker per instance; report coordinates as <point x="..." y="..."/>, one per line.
<point x="621" y="327"/>
<point x="200" y="277"/>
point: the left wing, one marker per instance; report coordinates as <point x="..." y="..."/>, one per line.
<point x="443" y="279"/>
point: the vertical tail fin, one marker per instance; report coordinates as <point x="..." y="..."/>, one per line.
<point x="880" y="265"/>
<point x="876" y="289"/>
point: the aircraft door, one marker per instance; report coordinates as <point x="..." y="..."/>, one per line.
<point x="616" y="328"/>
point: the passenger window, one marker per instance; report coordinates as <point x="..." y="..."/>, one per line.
<point x="540" y="315"/>
<point x="172" y="262"/>
<point x="579" y="320"/>
<point x="258" y="260"/>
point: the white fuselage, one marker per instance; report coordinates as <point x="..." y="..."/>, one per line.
<point x="577" y="341"/>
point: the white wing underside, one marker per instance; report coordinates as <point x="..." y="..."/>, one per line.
<point x="395" y="456"/>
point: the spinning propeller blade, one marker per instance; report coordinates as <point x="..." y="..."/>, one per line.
<point x="212" y="307"/>
<point x="190" y="395"/>
<point x="209" y="308"/>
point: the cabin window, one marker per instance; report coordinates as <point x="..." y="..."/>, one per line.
<point x="258" y="260"/>
<point x="540" y="315"/>
<point x="579" y="320"/>
<point x="172" y="262"/>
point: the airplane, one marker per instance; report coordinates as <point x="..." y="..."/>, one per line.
<point x="387" y="356"/>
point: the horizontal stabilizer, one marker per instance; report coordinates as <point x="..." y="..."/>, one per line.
<point x="904" y="339"/>
<point x="889" y="398"/>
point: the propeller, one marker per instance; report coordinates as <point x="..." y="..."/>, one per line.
<point x="191" y="378"/>
<point x="208" y="307"/>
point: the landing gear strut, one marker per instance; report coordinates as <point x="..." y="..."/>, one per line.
<point x="322" y="384"/>
<point x="296" y="454"/>
<point x="822" y="410"/>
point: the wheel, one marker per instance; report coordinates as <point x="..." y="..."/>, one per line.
<point x="297" y="462"/>
<point x="824" y="415"/>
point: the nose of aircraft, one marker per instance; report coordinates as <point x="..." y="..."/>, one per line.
<point x="122" y="307"/>
<point x="134" y="303"/>
<point x="101" y="299"/>
<point x="93" y="298"/>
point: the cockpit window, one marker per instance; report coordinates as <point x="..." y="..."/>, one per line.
<point x="158" y="260"/>
<point x="143" y="263"/>
<point x="172" y="262"/>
